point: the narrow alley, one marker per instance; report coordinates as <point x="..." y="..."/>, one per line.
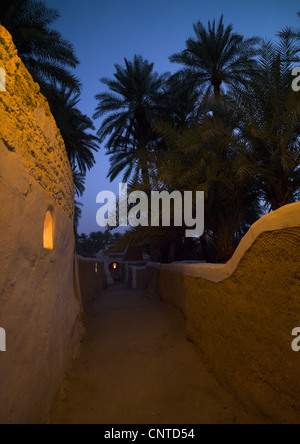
<point x="136" y="367"/>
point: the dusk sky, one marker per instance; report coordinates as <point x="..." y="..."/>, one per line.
<point x="105" y="31"/>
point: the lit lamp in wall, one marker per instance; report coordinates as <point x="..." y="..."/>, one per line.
<point x="115" y="265"/>
<point x="48" y="231"/>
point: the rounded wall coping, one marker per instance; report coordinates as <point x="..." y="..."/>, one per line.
<point x="286" y="217"/>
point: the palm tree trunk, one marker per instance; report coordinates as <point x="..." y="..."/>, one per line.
<point x="204" y="249"/>
<point x="225" y="247"/>
<point x="280" y="199"/>
<point x="146" y="179"/>
<point x="171" y="257"/>
<point x="217" y="92"/>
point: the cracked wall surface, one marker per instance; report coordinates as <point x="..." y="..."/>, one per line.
<point x="40" y="305"/>
<point x="28" y="129"/>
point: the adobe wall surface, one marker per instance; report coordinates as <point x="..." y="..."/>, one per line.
<point x="171" y="289"/>
<point x="241" y="315"/>
<point x="153" y="271"/>
<point x="40" y="306"/>
<point x="92" y="278"/>
<point x="28" y="129"/>
<point x="243" y="325"/>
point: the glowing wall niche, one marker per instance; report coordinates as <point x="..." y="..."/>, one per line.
<point x="48" y="231"/>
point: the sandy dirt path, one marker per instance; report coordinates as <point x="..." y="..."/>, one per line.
<point x="136" y="367"/>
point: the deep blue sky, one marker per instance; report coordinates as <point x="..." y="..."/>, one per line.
<point x="105" y="31"/>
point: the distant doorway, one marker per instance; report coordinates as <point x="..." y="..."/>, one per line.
<point x="114" y="270"/>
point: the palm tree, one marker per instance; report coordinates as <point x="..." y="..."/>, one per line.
<point x="77" y="216"/>
<point x="289" y="30"/>
<point x="46" y="55"/>
<point x="50" y="60"/>
<point x="217" y="56"/>
<point x="74" y="126"/>
<point x="271" y="114"/>
<point x="205" y="157"/>
<point x="132" y="106"/>
<point x="79" y="181"/>
<point x="179" y="102"/>
<point x="80" y="143"/>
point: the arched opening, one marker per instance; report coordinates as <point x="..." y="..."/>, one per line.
<point x="48" y="231"/>
<point x="114" y="270"/>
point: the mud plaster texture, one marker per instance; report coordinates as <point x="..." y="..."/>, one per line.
<point x="242" y="325"/>
<point x="28" y="129"/>
<point x="92" y="278"/>
<point x="40" y="306"/>
<point x="171" y="289"/>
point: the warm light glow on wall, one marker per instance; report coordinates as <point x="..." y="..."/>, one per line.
<point x="48" y="231"/>
<point x="115" y="265"/>
<point x="96" y="267"/>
